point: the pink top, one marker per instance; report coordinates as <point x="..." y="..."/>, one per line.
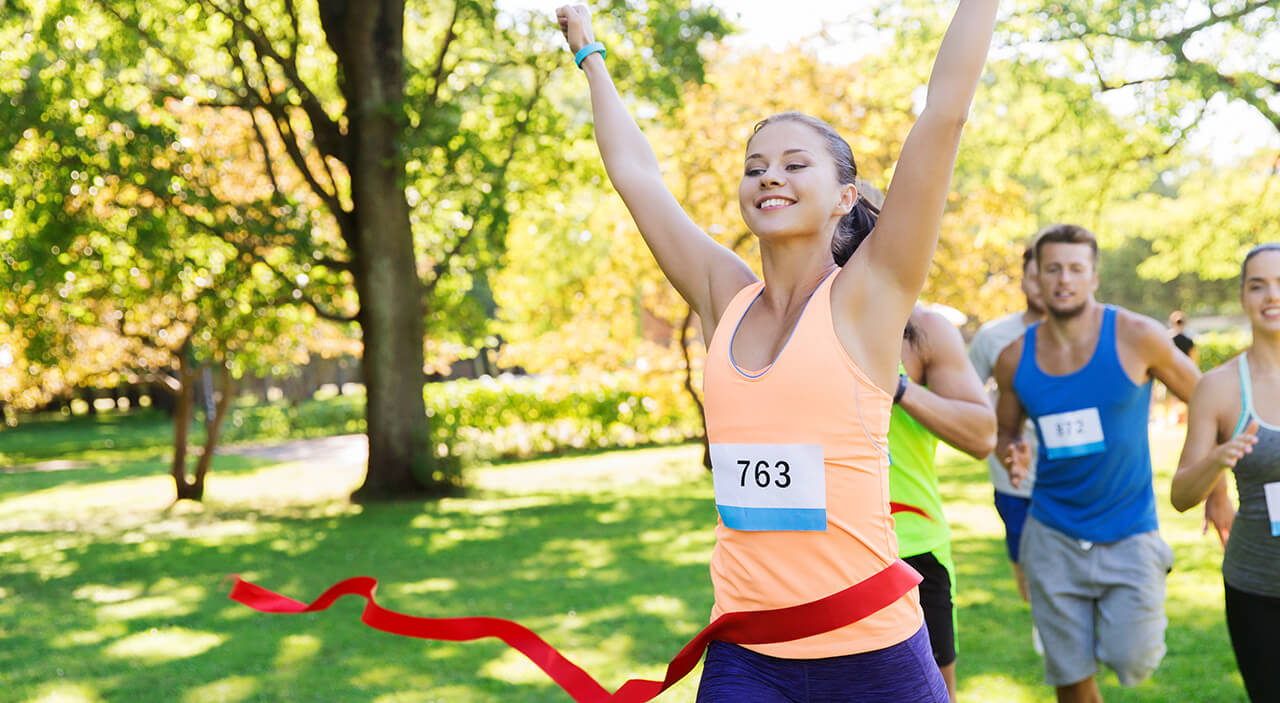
<point x="812" y="394"/>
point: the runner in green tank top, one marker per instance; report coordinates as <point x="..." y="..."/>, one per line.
<point x="939" y="396"/>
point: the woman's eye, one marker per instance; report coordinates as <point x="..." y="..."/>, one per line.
<point x="754" y="171"/>
<point x="795" y="167"/>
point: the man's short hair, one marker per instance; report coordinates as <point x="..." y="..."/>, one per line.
<point x="1028" y="256"/>
<point x="1066" y="234"/>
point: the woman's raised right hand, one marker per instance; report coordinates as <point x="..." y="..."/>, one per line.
<point x="575" y="25"/>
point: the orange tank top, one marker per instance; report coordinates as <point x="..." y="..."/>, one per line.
<point x="802" y="479"/>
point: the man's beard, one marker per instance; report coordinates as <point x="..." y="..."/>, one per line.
<point x="1067" y="313"/>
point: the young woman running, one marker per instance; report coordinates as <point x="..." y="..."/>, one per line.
<point x="1234" y="423"/>
<point x="801" y="369"/>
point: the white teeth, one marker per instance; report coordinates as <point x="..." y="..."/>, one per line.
<point x="773" y="202"/>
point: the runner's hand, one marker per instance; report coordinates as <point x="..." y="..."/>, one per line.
<point x="1228" y="453"/>
<point x="1217" y="506"/>
<point x="1018" y="462"/>
<point x="1219" y="513"/>
<point x="575" y="25"/>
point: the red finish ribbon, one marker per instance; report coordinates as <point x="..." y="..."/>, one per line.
<point x="754" y="627"/>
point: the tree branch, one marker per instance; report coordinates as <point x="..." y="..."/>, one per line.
<point x="521" y="127"/>
<point x="328" y="136"/>
<point x="266" y="154"/>
<point x="438" y="75"/>
<point x="284" y="129"/>
<point x="1214" y="19"/>
<point x="1102" y="82"/>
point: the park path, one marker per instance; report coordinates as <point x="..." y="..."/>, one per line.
<point x="339" y="449"/>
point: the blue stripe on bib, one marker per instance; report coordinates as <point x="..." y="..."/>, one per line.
<point x="769" y="519"/>
<point x="1075" y="450"/>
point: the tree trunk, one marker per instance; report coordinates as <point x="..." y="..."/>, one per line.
<point x="183" y="408"/>
<point x="221" y="406"/>
<point x="368" y="39"/>
<point x="688" y="386"/>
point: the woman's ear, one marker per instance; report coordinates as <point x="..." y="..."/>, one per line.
<point x="848" y="199"/>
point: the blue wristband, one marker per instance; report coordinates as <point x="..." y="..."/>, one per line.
<point x="588" y="50"/>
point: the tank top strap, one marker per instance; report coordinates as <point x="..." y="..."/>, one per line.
<point x="727" y="325"/>
<point x="1028" y="358"/>
<point x="1246" y="393"/>
<point x="1107" y="352"/>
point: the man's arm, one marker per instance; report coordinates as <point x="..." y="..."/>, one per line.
<point x="1011" y="451"/>
<point x="1160" y="356"/>
<point x="953" y="406"/>
<point x="1167" y="364"/>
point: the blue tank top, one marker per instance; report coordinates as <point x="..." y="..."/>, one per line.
<point x="1093" y="476"/>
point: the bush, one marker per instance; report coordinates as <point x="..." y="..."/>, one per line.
<point x="522" y="417"/>
<point x="504" y="418"/>
<point x="1217" y="348"/>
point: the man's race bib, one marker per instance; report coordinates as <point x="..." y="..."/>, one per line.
<point x="1072" y="434"/>
<point x="1272" y="492"/>
<point x="763" y="487"/>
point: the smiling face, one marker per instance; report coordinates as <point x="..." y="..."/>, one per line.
<point x="789" y="184"/>
<point x="1260" y="292"/>
<point x="1067" y="277"/>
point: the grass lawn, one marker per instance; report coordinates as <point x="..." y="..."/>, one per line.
<point x="109" y="593"/>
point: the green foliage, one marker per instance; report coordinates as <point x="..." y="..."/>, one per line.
<point x="1176" y="60"/>
<point x="524" y="417"/>
<point x="506" y="418"/>
<point x="1123" y="261"/>
<point x="1217" y="348"/>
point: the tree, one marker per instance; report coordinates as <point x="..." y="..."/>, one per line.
<point x="1172" y="65"/>
<point x="1177" y="59"/>
<point x="1187" y="242"/>
<point x="391" y="174"/>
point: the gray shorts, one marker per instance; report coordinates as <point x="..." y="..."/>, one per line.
<point x="1097" y="602"/>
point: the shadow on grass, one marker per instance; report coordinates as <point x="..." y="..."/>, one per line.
<point x="17" y="483"/>
<point x="601" y="576"/>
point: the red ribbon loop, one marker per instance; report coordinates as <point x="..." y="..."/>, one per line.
<point x="749" y="627"/>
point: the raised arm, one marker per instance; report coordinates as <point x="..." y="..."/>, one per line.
<point x="705" y="273"/>
<point x="953" y="406"/>
<point x="895" y="259"/>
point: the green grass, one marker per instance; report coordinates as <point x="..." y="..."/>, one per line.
<point x="105" y="437"/>
<point x="110" y="593"/>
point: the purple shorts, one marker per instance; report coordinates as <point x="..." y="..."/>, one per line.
<point x="903" y="672"/>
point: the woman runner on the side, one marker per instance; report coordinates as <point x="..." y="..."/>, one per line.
<point x="1234" y="423"/>
<point x="801" y="369"/>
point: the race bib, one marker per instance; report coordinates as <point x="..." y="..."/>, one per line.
<point x="763" y="487"/>
<point x="1272" y="492"/>
<point x="1072" y="434"/>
